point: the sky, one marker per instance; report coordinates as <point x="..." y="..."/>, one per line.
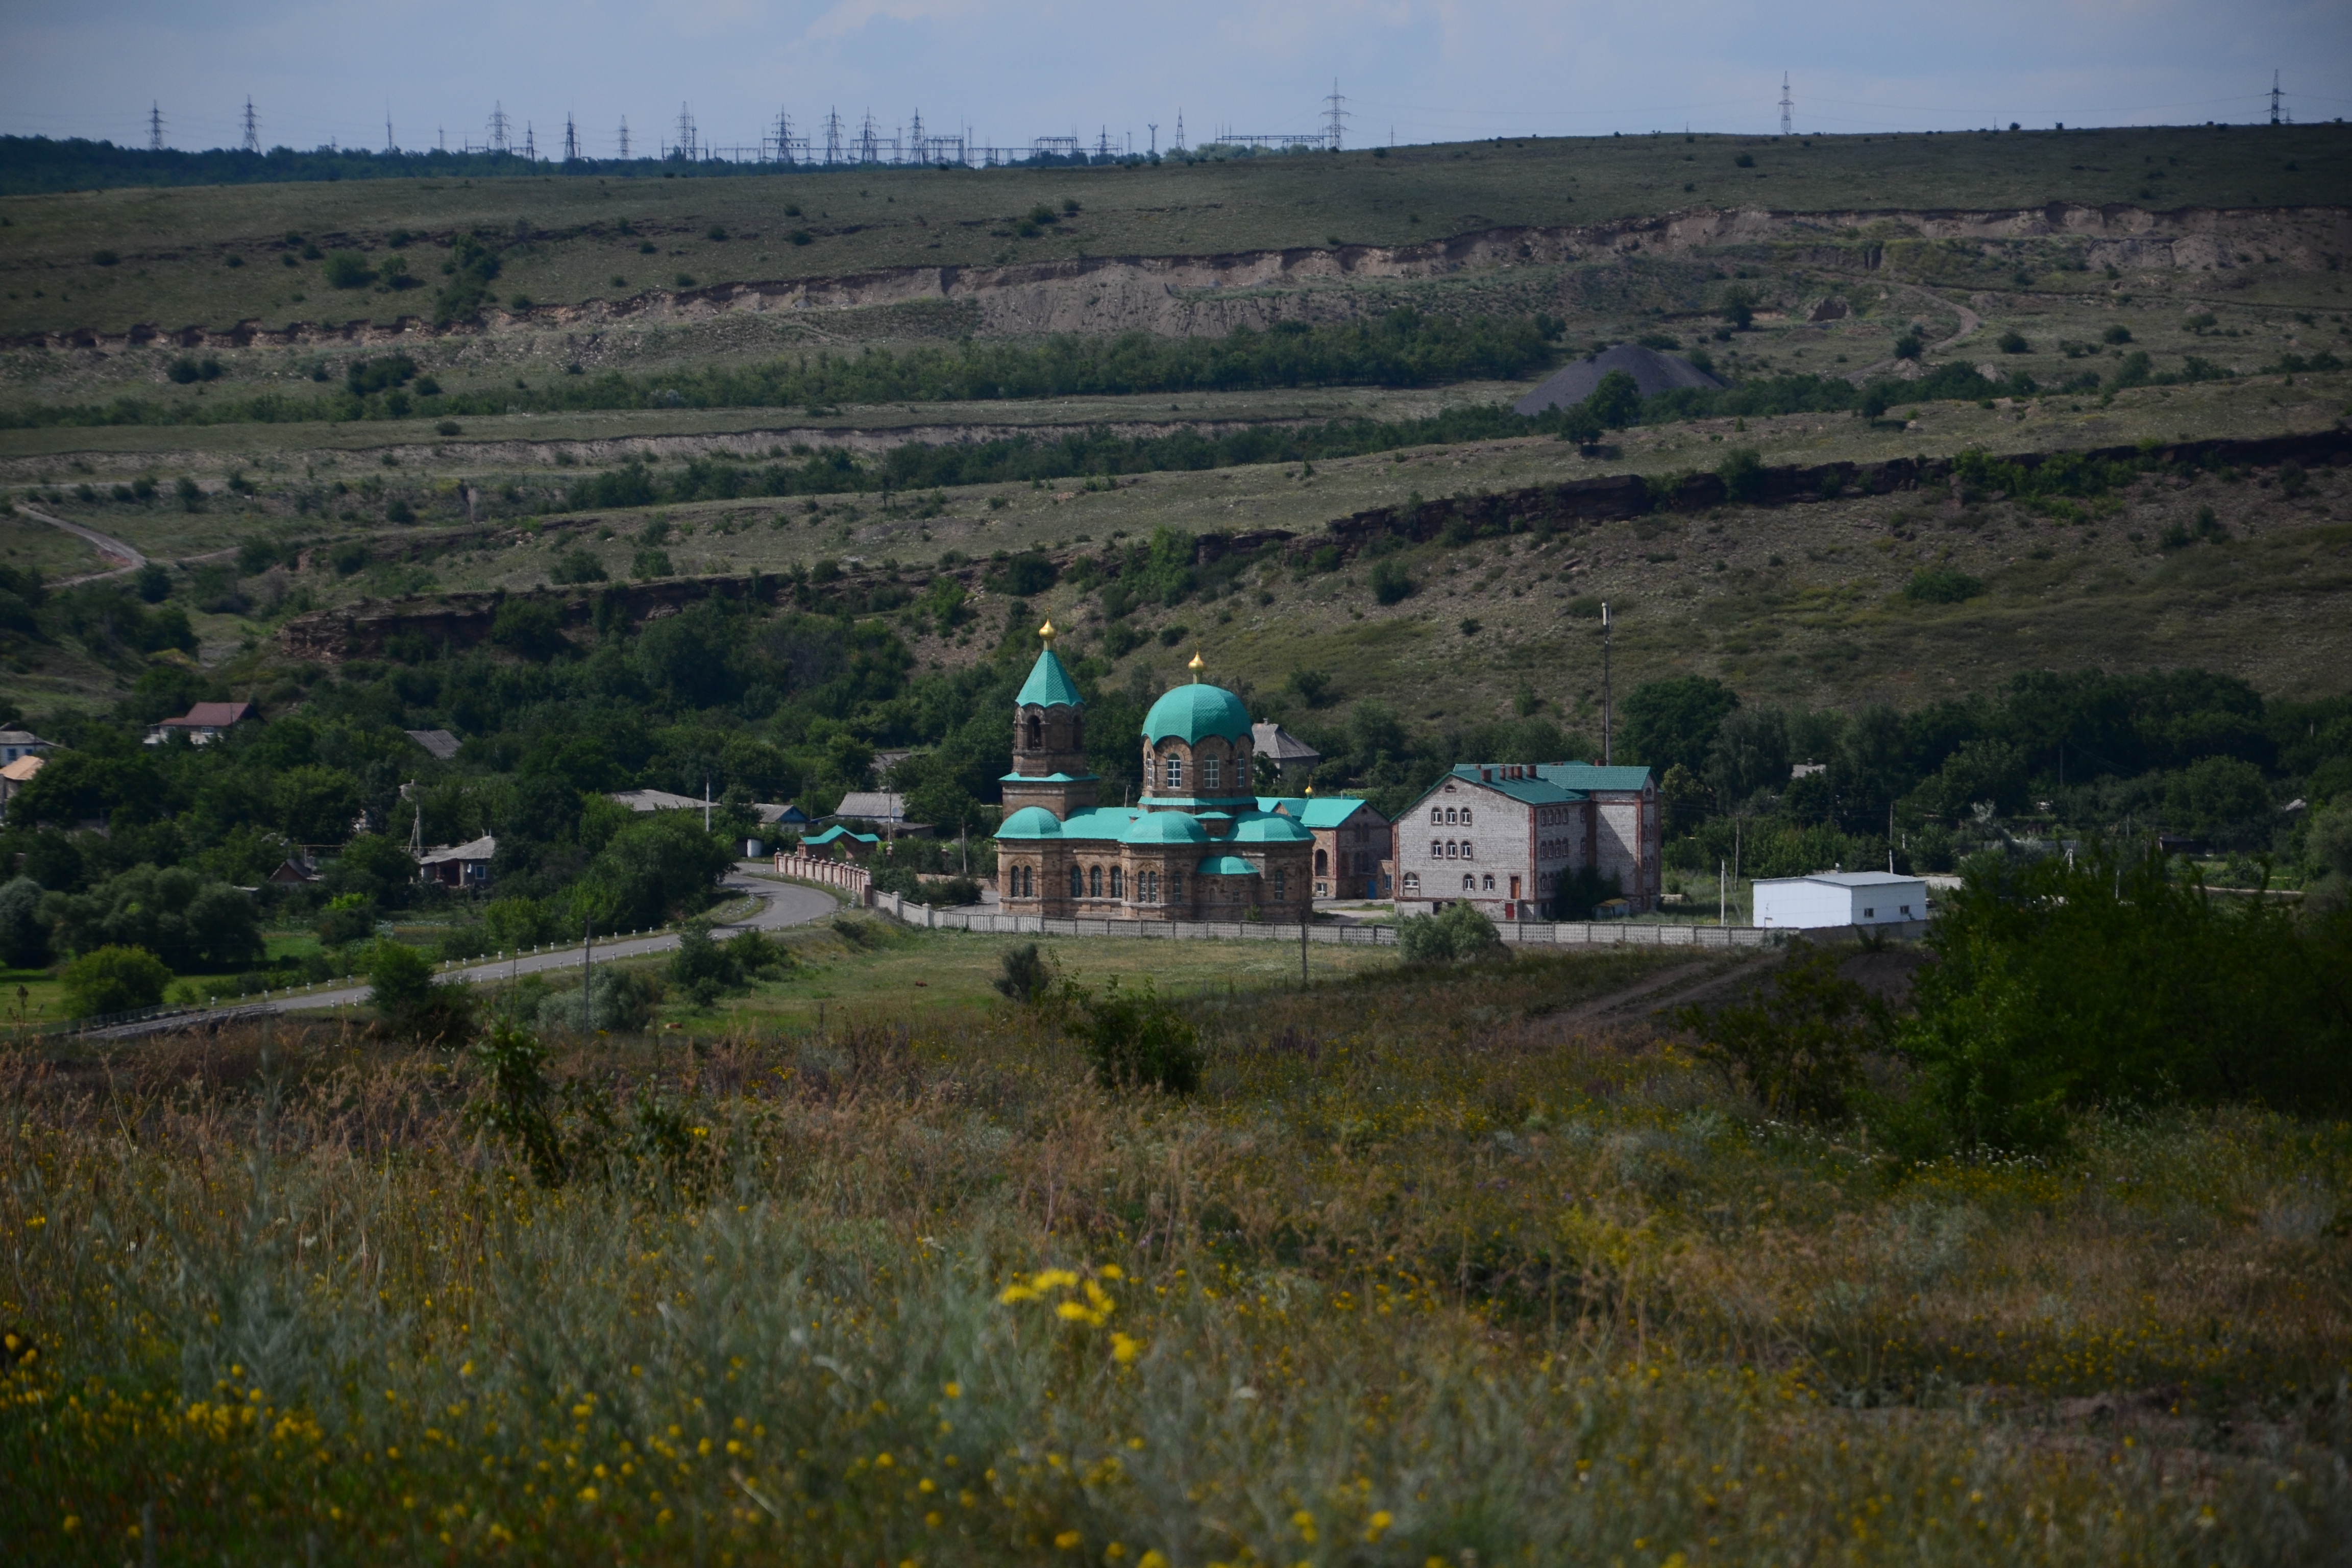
<point x="321" y="71"/>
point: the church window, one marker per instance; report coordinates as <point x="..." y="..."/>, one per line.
<point x="1322" y="863"/>
<point x="1077" y="732"/>
<point x="1148" y="887"/>
<point x="1209" y="772"/>
<point x="1077" y="883"/>
<point x="1117" y="882"/>
<point x="1175" y="887"/>
<point x="1175" y="774"/>
<point x="1094" y="882"/>
<point x="1037" y="728"/>
<point x="1281" y="879"/>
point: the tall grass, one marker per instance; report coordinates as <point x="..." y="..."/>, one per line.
<point x="1431" y="1268"/>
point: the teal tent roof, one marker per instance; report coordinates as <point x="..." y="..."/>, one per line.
<point x="1193" y="712"/>
<point x="1049" y="685"/>
<point x="1268" y="828"/>
<point x="838" y="831"/>
<point x="1225" y="866"/>
<point x="1031" y="822"/>
<point x="1314" y="811"/>
<point x="1165" y="828"/>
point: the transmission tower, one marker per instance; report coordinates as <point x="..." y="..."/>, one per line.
<point x="390" y="144"/>
<point x="1178" y="145"/>
<point x="624" y="139"/>
<point x="529" y="147"/>
<point x="2278" y="115"/>
<point x="571" y="139"/>
<point x="685" y="132"/>
<point x="252" y="129"/>
<point x="832" y="137"/>
<point x="1337" y="112"/>
<point x="155" y="129"/>
<point x="915" y="139"/>
<point x="1787" y="107"/>
<point x="499" y="129"/>
<point x="869" y="138"/>
<point x="783" y="136"/>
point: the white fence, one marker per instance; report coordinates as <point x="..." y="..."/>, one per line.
<point x="853" y="880"/>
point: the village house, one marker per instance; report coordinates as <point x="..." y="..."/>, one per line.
<point x="1352" y="842"/>
<point x="17" y="744"/>
<point x="204" y="723"/>
<point x="1506" y="837"/>
<point x="459" y="866"/>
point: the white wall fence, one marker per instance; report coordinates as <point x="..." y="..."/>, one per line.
<point x="842" y="875"/>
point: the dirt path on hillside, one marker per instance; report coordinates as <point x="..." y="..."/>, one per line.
<point x="105" y="544"/>
<point x="1683" y="983"/>
<point x="1969" y="323"/>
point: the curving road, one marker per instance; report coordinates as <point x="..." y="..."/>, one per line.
<point x="105" y="544"/>
<point x="783" y="904"/>
<point x="1969" y="323"/>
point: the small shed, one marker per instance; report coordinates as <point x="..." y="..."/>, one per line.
<point x="1831" y="899"/>
<point x="464" y="866"/>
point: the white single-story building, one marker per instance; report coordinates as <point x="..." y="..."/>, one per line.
<point x="1828" y="900"/>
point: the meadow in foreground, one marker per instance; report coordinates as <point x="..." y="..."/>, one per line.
<point x="1431" y="1268"/>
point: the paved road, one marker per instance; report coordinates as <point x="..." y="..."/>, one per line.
<point x="126" y="556"/>
<point x="783" y="904"/>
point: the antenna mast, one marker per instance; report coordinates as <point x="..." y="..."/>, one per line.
<point x="1788" y="106"/>
<point x="1338" y="113"/>
<point x="155" y="129"/>
<point x="252" y="129"/>
<point x="1607" y="757"/>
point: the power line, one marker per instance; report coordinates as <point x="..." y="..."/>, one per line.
<point x="2278" y="116"/>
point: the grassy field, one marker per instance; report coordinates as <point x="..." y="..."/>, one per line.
<point x="1431" y="1268"/>
<point x="173" y="247"/>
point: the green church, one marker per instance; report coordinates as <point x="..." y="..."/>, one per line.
<point x="1195" y="847"/>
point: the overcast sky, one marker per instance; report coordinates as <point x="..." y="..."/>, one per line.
<point x="1416" y="70"/>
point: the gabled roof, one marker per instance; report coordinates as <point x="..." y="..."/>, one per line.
<point x="838" y="832"/>
<point x="481" y="849"/>
<point x="870" y="806"/>
<point x="1278" y="744"/>
<point x="1530" y="788"/>
<point x="1049" y="685"/>
<point x="1593" y="777"/>
<point x="212" y="716"/>
<point x="1314" y="811"/>
<point x="22" y="770"/>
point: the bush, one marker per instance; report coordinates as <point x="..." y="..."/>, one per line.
<point x="1455" y="934"/>
<point x="1941" y="585"/>
<point x="620" y="1001"/>
<point x="2012" y="342"/>
<point x="1798" y="1046"/>
<point x="24" y="935"/>
<point x="1025" y="974"/>
<point x="1742" y="473"/>
<point x="2063" y="987"/>
<point x="410" y="1005"/>
<point x="349" y="270"/>
<point x="113" y="980"/>
<point x="578" y="566"/>
<point x="348" y="918"/>
<point x="1390" y="582"/>
<point x="1136" y="1039"/>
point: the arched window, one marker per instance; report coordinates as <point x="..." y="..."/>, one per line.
<point x="1436" y="851"/>
<point x="1077" y="731"/>
<point x="1468" y="850"/>
<point x="1413" y="884"/>
<point x="1077" y="883"/>
<point x="1436" y="817"/>
<point x="1094" y="882"/>
<point x="1322" y="864"/>
<point x="1175" y="887"/>
<point x="1490" y="881"/>
<point x="1465" y="816"/>
<point x="1469" y="884"/>
<point x="1450" y="815"/>
<point x="1117" y="882"/>
<point x="1147" y="885"/>
<point x="1036" y="728"/>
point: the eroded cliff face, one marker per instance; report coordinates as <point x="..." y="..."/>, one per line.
<point x="1210" y="295"/>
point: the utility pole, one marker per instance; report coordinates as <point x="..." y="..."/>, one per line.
<point x="1787" y="107"/>
<point x="1608" y="757"/>
<point x="832" y="137"/>
<point x="1179" y="145"/>
<point x="587" y="959"/>
<point x="1155" y="137"/>
<point x="155" y="128"/>
<point x="685" y="132"/>
<point x="390" y="143"/>
<point x="252" y="129"/>
<point x="1722" y="892"/>
<point x="705" y="803"/>
<point x="530" y="145"/>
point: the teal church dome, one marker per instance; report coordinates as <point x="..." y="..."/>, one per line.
<point x="1165" y="828"/>
<point x="1192" y="713"/>
<point x="1031" y="822"/>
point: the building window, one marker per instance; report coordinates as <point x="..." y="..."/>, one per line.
<point x="1436" y="851"/>
<point x="1148" y="882"/>
<point x="1322" y="863"/>
<point x="1036" y="733"/>
<point x="1465" y="816"/>
<point x="1094" y="882"/>
<point x="1117" y="882"/>
<point x="1869" y="914"/>
<point x="1490" y="881"/>
<point x="1469" y="884"/>
<point x="1210" y="771"/>
<point x="1436" y="817"/>
<point x="1281" y="882"/>
<point x="1175" y="887"/>
<point x="1449" y="813"/>
<point x="1468" y="850"/>
<point x="1413" y="884"/>
<point x="1175" y="772"/>
<point x="1077" y="883"/>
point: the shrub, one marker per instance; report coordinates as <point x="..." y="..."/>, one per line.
<point x="24" y="935"/>
<point x="1908" y="345"/>
<point x="1025" y="974"/>
<point x="578" y="566"/>
<point x="1390" y="582"/>
<point x="153" y="582"/>
<point x="1455" y="934"/>
<point x="1738" y="304"/>
<point x="1742" y="473"/>
<point x="348" y="916"/>
<point x="113" y="980"/>
<point x="1744" y="161"/>
<point x="620" y="1001"/>
<point x="2120" y="333"/>
<point x="104" y="257"/>
<point x="2014" y="343"/>
<point x="410" y="1005"/>
<point x="1135" y="1039"/>
<point x="1616" y="403"/>
<point x="349" y="270"/>
<point x="1941" y="585"/>
<point x="1798" y="1046"/>
<point x="649" y="564"/>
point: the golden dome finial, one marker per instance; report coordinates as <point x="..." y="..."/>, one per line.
<point x="1311" y="789"/>
<point x="1196" y="667"/>
<point x="1047" y="631"/>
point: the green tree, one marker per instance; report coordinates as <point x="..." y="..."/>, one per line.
<point x="1798" y="1046"/>
<point x="2223" y="800"/>
<point x="113" y="980"/>
<point x="411" y="1004"/>
<point x="348" y="269"/>
<point x="1616" y="402"/>
<point x="1675" y="721"/>
<point x="315" y="805"/>
<point x="532" y="627"/>
<point x="1135" y="1039"/>
<point x="190" y="922"/>
<point x="24" y="935"/>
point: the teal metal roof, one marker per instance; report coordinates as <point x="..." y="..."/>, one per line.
<point x="1535" y="791"/>
<point x="1031" y="822"/>
<point x="1165" y="828"/>
<point x="1045" y="778"/>
<point x="1225" y="866"/>
<point x="1269" y="828"/>
<point x="838" y="831"/>
<point x="1313" y="811"/>
<point x="1108" y="823"/>
<point x="1049" y="685"/>
<point x="1192" y="713"/>
<point x="1592" y="776"/>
